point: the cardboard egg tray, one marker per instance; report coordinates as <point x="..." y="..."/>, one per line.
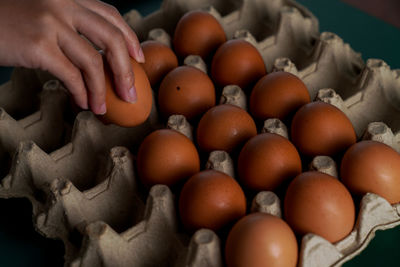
<point x="80" y="176"/>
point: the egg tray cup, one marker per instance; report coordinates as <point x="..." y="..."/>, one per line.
<point x="79" y="174"/>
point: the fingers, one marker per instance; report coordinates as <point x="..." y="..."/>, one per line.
<point x="90" y="62"/>
<point x="112" y="15"/>
<point x="112" y="41"/>
<point x="60" y="66"/>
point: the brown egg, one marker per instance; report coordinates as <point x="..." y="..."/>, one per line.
<point x="211" y="199"/>
<point x="261" y="239"/>
<point x="198" y="33"/>
<point x="278" y="95"/>
<point x="318" y="203"/>
<point x="160" y="59"/>
<point x="187" y="91"/>
<point x="370" y="166"/>
<point x="237" y="62"/>
<point x="319" y="128"/>
<point x="128" y="114"/>
<point x="224" y="127"/>
<point x="166" y="157"/>
<point x="266" y="161"/>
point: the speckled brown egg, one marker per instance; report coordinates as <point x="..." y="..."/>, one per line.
<point x="318" y="203"/>
<point x="224" y="127"/>
<point x="237" y="62"/>
<point x="371" y="166"/>
<point x="319" y="128"/>
<point x="166" y="157"/>
<point x="211" y="199"/>
<point x="261" y="239"/>
<point x="123" y="113"/>
<point x="198" y="33"/>
<point x="160" y="59"/>
<point x="187" y="91"/>
<point x="267" y="161"/>
<point x="278" y="95"/>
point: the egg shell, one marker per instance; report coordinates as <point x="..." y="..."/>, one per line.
<point x="237" y="62"/>
<point x="318" y="203"/>
<point x="224" y="127"/>
<point x="128" y="114"/>
<point x="160" y="59"/>
<point x="166" y="157"/>
<point x="319" y="128"/>
<point x="278" y="95"/>
<point x="370" y="166"/>
<point x="186" y="91"/>
<point x="211" y="199"/>
<point x="261" y="239"/>
<point x="198" y="33"/>
<point x="267" y="161"/>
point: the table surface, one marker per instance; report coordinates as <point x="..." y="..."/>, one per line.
<point x="20" y="245"/>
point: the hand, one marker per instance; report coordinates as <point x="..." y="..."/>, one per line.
<point x="45" y="34"/>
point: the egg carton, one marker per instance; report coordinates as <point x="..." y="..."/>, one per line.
<point x="375" y="213"/>
<point x="59" y="145"/>
<point x="116" y="227"/>
<point x="42" y="149"/>
<point x="278" y="28"/>
<point x="25" y="111"/>
<point x="96" y="224"/>
<point x="286" y="35"/>
<point x="79" y="176"/>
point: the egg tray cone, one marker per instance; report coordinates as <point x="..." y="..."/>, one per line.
<point x="79" y="176"/>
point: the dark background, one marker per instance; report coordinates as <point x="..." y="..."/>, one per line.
<point x="20" y="245"/>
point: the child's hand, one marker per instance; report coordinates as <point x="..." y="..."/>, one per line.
<point x="45" y="34"/>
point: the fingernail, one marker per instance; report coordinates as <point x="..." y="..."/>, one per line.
<point x="140" y="58"/>
<point x="132" y="96"/>
<point x="84" y="105"/>
<point x="102" y="109"/>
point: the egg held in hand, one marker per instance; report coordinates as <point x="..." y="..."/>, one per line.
<point x="166" y="157"/>
<point x="259" y="240"/>
<point x="123" y="113"/>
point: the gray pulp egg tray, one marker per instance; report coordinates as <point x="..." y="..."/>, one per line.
<point x="79" y="173"/>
